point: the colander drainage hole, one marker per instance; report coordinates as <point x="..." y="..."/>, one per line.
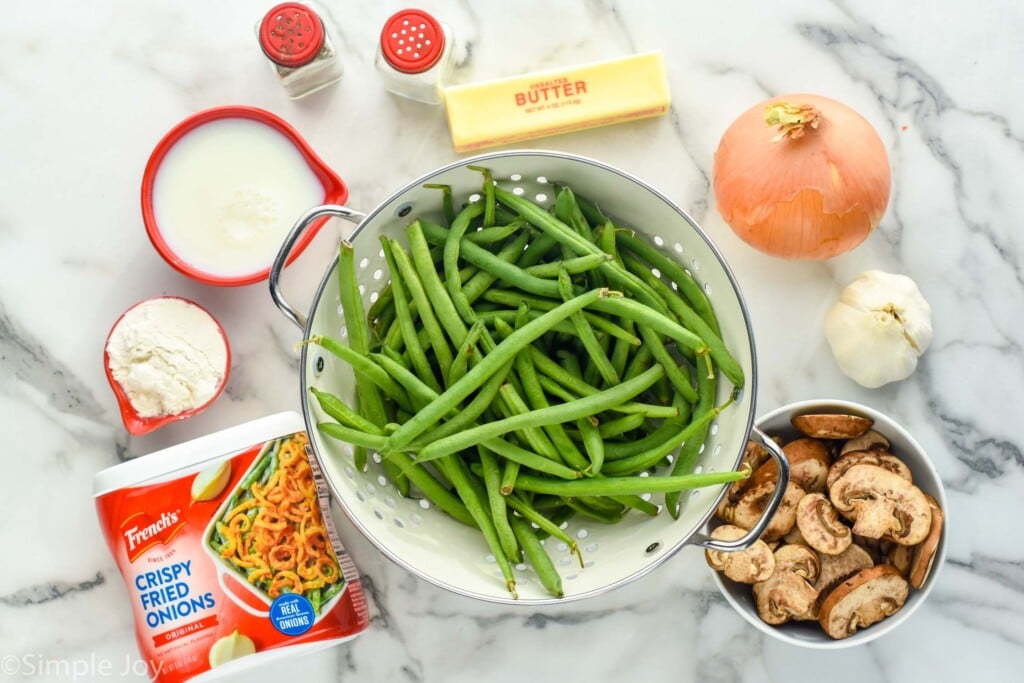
<point x="378" y="514"/>
<point x="377" y="459"/>
<point x="707" y="289"/>
<point x="424" y="503"/>
<point x="390" y="502"/>
<point x="404" y="210"/>
<point x="698" y="469"/>
<point x="398" y="523"/>
<point x="696" y="492"/>
<point x="349" y="472"/>
<point x="562" y="547"/>
<point x="678" y="247"/>
<point x="374" y="296"/>
<point x="520" y="567"/>
<point x="362" y="264"/>
<point x="653" y="548"/>
<point x="319" y="364"/>
<point x="582" y="533"/>
<point x="541" y="197"/>
<point x="564" y="561"/>
<point x="360" y="496"/>
<point x="370" y="488"/>
<point x="489" y="558"/>
<point x="415" y="518"/>
<point x="592" y="548"/>
<point x="659" y="241"/>
<point x="589" y="563"/>
<point x="382" y="480"/>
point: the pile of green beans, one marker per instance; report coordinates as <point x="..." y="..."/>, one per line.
<point x="526" y="365"/>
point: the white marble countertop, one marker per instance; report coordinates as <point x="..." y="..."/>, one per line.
<point x="86" y="90"/>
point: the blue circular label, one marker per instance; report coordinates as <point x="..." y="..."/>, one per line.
<point x="292" y="614"/>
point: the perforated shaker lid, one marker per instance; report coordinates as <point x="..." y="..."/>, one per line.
<point x="412" y="41"/>
<point x="291" y="34"/>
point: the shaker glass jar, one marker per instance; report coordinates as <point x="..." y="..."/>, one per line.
<point x="295" y="40"/>
<point x="414" y="56"/>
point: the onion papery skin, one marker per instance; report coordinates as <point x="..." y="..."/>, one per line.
<point x="813" y="197"/>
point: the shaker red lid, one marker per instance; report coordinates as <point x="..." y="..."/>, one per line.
<point x="291" y="34"/>
<point x="412" y="41"/>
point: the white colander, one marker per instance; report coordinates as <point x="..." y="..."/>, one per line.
<point x="423" y="539"/>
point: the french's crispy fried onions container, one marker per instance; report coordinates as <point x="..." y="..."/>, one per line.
<point x="228" y="551"/>
<point x="420" y="537"/>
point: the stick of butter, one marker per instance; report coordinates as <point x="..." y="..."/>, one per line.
<point x="557" y="101"/>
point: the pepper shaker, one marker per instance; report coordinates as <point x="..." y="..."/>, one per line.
<point x="293" y="37"/>
<point x="414" y="55"/>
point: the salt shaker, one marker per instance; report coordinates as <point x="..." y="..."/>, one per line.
<point x="414" y="56"/>
<point x="295" y="40"/>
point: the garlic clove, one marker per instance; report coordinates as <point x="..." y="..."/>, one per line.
<point x="878" y="328"/>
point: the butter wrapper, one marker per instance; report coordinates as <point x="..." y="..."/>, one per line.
<point x="557" y="101"/>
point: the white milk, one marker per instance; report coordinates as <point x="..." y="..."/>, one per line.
<point x="227" y="193"/>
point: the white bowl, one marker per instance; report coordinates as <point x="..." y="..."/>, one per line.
<point x="809" y="633"/>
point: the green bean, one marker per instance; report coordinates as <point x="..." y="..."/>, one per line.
<point x="364" y="366"/>
<point x="488" y="190"/>
<point x="433" y="490"/>
<point x="590" y="211"/>
<point x="496" y="502"/>
<point x="467" y="415"/>
<point x="507" y="349"/>
<point x="455" y="471"/>
<point x="534" y="461"/>
<point x="641" y="360"/>
<point x="606" y="240"/>
<point x="495" y="234"/>
<point x="536" y="251"/>
<point x="601" y="515"/>
<point x="592" y="443"/>
<point x="589" y="405"/>
<point x="419" y="392"/>
<point x="315" y="600"/>
<point x="535" y="437"/>
<point x="620" y="425"/>
<point x="336" y="408"/>
<point x="649" y="458"/>
<point x="578" y="244"/>
<point x="269" y="472"/>
<point x="602" y="486"/>
<point x="383" y="323"/>
<point x="508" y="476"/>
<point x="690" y="449"/>
<point x="586" y="334"/>
<point x="385" y="298"/>
<point x="446" y="312"/>
<point x="567" y="211"/>
<point x="333" y="589"/>
<point x="673" y="271"/>
<point x="537" y="557"/>
<point x="638" y="503"/>
<point x="447" y="201"/>
<point x="256" y="472"/>
<point x="460" y="364"/>
<point x="452" y="244"/>
<point x="415" y="288"/>
<point x="544" y="524"/>
<point x="479" y="256"/>
<point x="369" y="398"/>
<point x="675" y="373"/>
<point x="417" y="355"/>
<point x="482" y="281"/>
<point x="600" y="323"/>
<point x="573" y="266"/>
<point x="352" y="436"/>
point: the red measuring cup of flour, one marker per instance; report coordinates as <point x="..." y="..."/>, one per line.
<point x="222" y="189"/>
<point x="137" y="423"/>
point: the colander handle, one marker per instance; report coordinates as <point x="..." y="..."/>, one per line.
<point x="281" y="260"/>
<point x="769" y="511"/>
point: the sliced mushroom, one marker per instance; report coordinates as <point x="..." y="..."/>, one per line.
<point x="862" y="600"/>
<point x="832" y="426"/>
<point x="924" y="554"/>
<point x="819" y="524"/>
<point x="752" y="505"/>
<point x="800" y="560"/>
<point x="883" y="504"/>
<point x="808" y="464"/>
<point x="794" y="537"/>
<point x="783" y="597"/>
<point x="879" y="458"/>
<point x="873" y="546"/>
<point x="868" y="441"/>
<point x="899" y="557"/>
<point x="837" y="568"/>
<point x="754" y="454"/>
<point x="756" y="563"/>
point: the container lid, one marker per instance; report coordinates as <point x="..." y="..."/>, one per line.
<point x="151" y="468"/>
<point x="291" y="34"/>
<point x="412" y="41"/>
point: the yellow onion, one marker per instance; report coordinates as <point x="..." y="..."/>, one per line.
<point x="801" y="177"/>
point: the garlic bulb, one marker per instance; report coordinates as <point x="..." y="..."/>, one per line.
<point x="878" y="328"/>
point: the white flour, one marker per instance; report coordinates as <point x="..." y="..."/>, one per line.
<point x="168" y="356"/>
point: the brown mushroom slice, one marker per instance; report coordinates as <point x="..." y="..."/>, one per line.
<point x="809" y="462"/>
<point x="924" y="554"/>
<point x="756" y="563"/>
<point x="794" y="537"/>
<point x="820" y="525"/>
<point x="868" y="441"/>
<point x="866" y="598"/>
<point x="752" y="505"/>
<point x="883" y="459"/>
<point x="783" y="597"/>
<point x="873" y="546"/>
<point x="754" y="454"/>
<point x="837" y="568"/>
<point x="899" y="557"/>
<point x="800" y="560"/>
<point x="826" y="426"/>
<point x="883" y="504"/>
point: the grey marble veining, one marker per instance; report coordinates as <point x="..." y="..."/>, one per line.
<point x="88" y="88"/>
